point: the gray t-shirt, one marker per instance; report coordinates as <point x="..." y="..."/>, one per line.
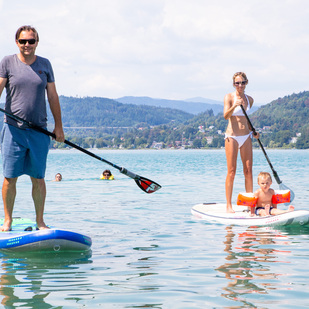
<point x="25" y="89"/>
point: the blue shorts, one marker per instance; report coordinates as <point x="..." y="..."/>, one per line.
<point x="258" y="209"/>
<point x="24" y="151"/>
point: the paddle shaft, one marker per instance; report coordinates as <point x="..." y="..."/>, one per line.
<point x="121" y="169"/>
<point x="54" y="136"/>
<point x="261" y="145"/>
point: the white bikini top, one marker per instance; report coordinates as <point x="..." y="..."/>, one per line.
<point x="238" y="111"/>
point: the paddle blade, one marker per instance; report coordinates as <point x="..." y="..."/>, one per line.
<point x="282" y="186"/>
<point x="147" y="185"/>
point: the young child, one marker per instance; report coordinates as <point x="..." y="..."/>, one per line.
<point x="264" y="206"/>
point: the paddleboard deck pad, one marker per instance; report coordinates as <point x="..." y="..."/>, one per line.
<point x="216" y="213"/>
<point x="25" y="237"/>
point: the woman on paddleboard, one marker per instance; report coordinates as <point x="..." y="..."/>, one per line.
<point x="238" y="136"/>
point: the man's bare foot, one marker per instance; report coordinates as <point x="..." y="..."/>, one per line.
<point x="42" y="226"/>
<point x="229" y="209"/>
<point x="6" y="226"/>
<point x="291" y="208"/>
<point x="267" y="209"/>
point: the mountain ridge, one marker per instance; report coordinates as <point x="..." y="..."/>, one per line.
<point x="184" y="105"/>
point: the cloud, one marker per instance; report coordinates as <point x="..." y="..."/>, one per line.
<point x="166" y="48"/>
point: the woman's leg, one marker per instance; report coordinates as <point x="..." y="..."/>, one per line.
<point x="231" y="151"/>
<point x="247" y="158"/>
<point x="246" y="155"/>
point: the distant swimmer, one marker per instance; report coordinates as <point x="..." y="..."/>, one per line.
<point x="58" y="177"/>
<point x="107" y="175"/>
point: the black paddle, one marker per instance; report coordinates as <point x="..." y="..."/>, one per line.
<point x="145" y="184"/>
<point x="279" y="182"/>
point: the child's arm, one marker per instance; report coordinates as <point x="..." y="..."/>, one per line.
<point x="274" y="205"/>
<point x="271" y="203"/>
<point x="256" y="194"/>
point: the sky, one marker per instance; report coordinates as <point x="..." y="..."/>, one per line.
<point x="169" y="49"/>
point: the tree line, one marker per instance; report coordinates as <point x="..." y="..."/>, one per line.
<point x="101" y="122"/>
<point x="279" y="122"/>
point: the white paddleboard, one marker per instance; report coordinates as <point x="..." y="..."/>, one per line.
<point x="216" y="213"/>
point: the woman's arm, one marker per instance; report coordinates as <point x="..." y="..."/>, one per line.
<point x="228" y="107"/>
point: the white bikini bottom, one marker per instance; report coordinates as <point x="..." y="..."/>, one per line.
<point x="239" y="139"/>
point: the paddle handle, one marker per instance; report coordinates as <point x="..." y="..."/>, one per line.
<point x="276" y="176"/>
<point x="53" y="135"/>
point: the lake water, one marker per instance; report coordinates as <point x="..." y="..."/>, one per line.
<point x="148" y="251"/>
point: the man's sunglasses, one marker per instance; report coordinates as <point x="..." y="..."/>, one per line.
<point x="24" y="42"/>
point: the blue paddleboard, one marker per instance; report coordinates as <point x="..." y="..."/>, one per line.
<point x="24" y="237"/>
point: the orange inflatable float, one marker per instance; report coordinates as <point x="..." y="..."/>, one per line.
<point x="246" y="199"/>
<point x="249" y="200"/>
<point x="281" y="196"/>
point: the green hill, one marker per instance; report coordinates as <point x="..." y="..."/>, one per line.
<point x="283" y="119"/>
<point x="192" y="107"/>
<point x="101" y="121"/>
<point x="287" y="113"/>
<point x="282" y="123"/>
<point x="103" y="112"/>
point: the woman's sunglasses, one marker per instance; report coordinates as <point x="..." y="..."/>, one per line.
<point x="241" y="83"/>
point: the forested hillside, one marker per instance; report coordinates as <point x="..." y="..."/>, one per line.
<point x="283" y="118"/>
<point x="288" y="113"/>
<point x="103" y="112"/>
<point x="186" y="106"/>
<point x="102" y="122"/>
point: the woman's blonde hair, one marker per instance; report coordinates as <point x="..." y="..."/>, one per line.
<point x="242" y="74"/>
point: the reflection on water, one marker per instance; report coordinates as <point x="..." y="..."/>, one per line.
<point x="28" y="279"/>
<point x="148" y="252"/>
<point x="249" y="263"/>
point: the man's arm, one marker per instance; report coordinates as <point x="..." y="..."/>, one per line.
<point x="54" y="104"/>
<point x="2" y="84"/>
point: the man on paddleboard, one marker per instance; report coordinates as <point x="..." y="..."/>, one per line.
<point x="27" y="79"/>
